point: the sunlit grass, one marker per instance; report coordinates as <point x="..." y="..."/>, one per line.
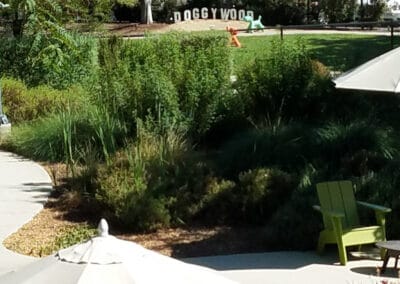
<point x="338" y="52"/>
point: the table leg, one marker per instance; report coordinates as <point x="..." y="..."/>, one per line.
<point x="397" y="260"/>
<point x="385" y="262"/>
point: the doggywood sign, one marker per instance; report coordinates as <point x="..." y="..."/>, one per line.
<point x="203" y="13"/>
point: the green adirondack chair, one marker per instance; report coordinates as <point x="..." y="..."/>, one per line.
<point x="341" y="221"/>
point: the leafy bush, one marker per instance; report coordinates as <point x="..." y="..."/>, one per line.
<point x="383" y="188"/>
<point x="283" y="13"/>
<point x="274" y="84"/>
<point x="22" y="104"/>
<point x="356" y="148"/>
<point x="372" y="12"/>
<point x="144" y="186"/>
<point x="295" y="225"/>
<point x="337" y="11"/>
<point x="176" y="79"/>
<point x="286" y="147"/>
<point x="336" y="150"/>
<point x="251" y="200"/>
<point x="38" y="59"/>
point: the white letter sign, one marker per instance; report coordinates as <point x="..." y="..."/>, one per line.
<point x="214" y="12"/>
<point x="177" y="17"/>
<point x="186" y="15"/>
<point x="204" y="13"/>
<point x="196" y="13"/>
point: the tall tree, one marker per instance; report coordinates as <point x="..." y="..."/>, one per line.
<point x="146" y="13"/>
<point x="338" y="11"/>
<point x="31" y="16"/>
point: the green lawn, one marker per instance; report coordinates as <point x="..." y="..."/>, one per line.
<point x="338" y="52"/>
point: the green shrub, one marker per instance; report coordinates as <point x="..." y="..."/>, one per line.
<point x="177" y="79"/>
<point x="253" y="199"/>
<point x="205" y="79"/>
<point x="217" y="205"/>
<point x="123" y="190"/>
<point x="262" y="192"/>
<point x="382" y="188"/>
<point x="286" y="147"/>
<point x="67" y="135"/>
<point x="25" y="104"/>
<point x="38" y="59"/>
<point x="335" y="150"/>
<point x="295" y="225"/>
<point x="139" y="185"/>
<point x="273" y="85"/>
<point x="355" y="149"/>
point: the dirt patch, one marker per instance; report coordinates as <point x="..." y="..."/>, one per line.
<point x="133" y="29"/>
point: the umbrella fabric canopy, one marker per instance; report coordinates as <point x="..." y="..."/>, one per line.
<point x="106" y="259"/>
<point x="381" y="74"/>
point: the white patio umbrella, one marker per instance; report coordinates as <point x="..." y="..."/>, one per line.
<point x="381" y="74"/>
<point x="106" y="259"/>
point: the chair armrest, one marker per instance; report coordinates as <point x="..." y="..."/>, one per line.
<point x="379" y="208"/>
<point x="330" y="213"/>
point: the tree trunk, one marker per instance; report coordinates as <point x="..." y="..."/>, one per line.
<point x="146" y="13"/>
<point x="17" y="26"/>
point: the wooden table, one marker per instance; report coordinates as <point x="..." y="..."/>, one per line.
<point x="392" y="250"/>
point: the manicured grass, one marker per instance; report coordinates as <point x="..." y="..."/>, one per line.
<point x="338" y="52"/>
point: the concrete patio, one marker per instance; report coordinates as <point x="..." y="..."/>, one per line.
<point x="296" y="267"/>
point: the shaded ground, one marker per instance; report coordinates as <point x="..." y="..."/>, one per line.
<point x="64" y="215"/>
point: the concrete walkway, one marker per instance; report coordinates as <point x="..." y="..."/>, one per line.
<point x="292" y="267"/>
<point x="24" y="188"/>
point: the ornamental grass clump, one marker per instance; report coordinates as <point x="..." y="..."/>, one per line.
<point x="131" y="188"/>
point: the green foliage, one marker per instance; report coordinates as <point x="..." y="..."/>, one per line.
<point x="69" y="236"/>
<point x="356" y="148"/>
<point x="336" y="150"/>
<point x="371" y="12"/>
<point x="295" y="225"/>
<point x="176" y="79"/>
<point x="22" y="104"/>
<point x="338" y="11"/>
<point x="274" y="84"/>
<point x="282" y="12"/>
<point x="134" y="141"/>
<point x="136" y="185"/>
<point x="74" y="235"/>
<point x="383" y="188"/>
<point x="65" y="136"/>
<point x="256" y="195"/>
<point x="285" y="146"/>
<point x="31" y="16"/>
<point x="39" y="59"/>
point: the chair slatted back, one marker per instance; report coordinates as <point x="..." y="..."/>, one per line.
<point x="339" y="196"/>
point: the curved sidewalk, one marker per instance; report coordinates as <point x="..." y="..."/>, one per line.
<point x="24" y="188"/>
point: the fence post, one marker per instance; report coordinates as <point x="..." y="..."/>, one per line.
<point x="391" y="36"/>
<point x="281" y="28"/>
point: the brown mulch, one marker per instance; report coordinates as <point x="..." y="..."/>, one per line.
<point x="63" y="211"/>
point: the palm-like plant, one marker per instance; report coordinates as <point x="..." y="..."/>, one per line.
<point x="31" y="16"/>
